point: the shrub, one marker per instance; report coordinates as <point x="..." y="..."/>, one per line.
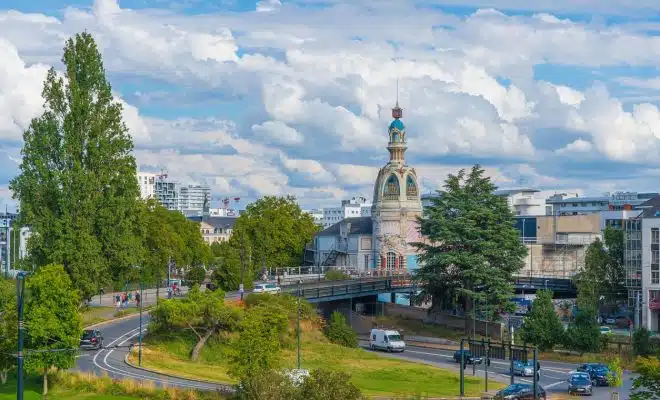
<point x="270" y="385"/>
<point x="338" y="331"/>
<point x="324" y="384"/>
<point x="195" y="276"/>
<point x="286" y="301"/>
<point x="584" y="334"/>
<point x="641" y="342"/>
<point x="334" y="274"/>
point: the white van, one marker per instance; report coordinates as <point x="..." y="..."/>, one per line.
<point x="386" y="340"/>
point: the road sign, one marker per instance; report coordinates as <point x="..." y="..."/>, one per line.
<point x="240" y="288"/>
<point x="515" y="321"/>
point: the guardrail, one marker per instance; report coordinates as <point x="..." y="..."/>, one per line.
<point x="336" y="289"/>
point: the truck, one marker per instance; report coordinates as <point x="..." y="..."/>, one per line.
<point x="385" y="339"/>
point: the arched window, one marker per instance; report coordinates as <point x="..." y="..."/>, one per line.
<point x="411" y="187"/>
<point x="391" y="190"/>
<point x="391" y="261"/>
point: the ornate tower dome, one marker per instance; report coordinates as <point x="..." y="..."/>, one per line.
<point x="396" y="204"/>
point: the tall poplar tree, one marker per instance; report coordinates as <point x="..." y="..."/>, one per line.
<point x="77" y="184"/>
<point x="472" y="250"/>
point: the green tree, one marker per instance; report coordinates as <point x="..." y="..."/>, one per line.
<point x="615" y="269"/>
<point x="542" y="326"/>
<point x="227" y="266"/>
<point x="583" y="335"/>
<point x="334" y="274"/>
<point x="8" y="331"/>
<point x="590" y="281"/>
<point x="274" y="230"/>
<point x="77" y="185"/>
<point x="641" y="342"/>
<point x="647" y="385"/>
<point x="257" y="348"/>
<point x="196" y="275"/>
<point x="52" y="322"/>
<point x="472" y="248"/>
<point x="339" y="332"/>
<point x="324" y="384"/>
<point x="615" y="378"/>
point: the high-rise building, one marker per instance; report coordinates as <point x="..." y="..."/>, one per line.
<point x="194" y="200"/>
<point x="167" y="193"/>
<point x="147" y="183"/>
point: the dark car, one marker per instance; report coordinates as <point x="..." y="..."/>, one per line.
<point x="467" y="357"/>
<point x="580" y="384"/>
<point x="520" y="391"/>
<point x="598" y="373"/>
<point x="92" y="338"/>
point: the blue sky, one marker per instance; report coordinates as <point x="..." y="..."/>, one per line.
<point x="293" y="97"/>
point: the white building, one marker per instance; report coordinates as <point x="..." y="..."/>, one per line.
<point x="353" y="208"/>
<point x="215" y="229"/>
<point x="147" y="183"/>
<point x="564" y="204"/>
<point x="194" y="199"/>
<point x="651" y="273"/>
<point x="524" y="202"/>
<point x="222" y="212"/>
<point x="317" y="214"/>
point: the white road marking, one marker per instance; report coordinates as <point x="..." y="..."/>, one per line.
<point x="553" y="384"/>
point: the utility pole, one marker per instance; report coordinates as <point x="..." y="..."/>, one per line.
<point x="20" y="292"/>
<point x="140" y="336"/>
<point x="241" y="287"/>
<point x="299" y="286"/>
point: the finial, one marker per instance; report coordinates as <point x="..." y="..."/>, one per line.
<point x="397" y="112"/>
<point x="397" y="91"/>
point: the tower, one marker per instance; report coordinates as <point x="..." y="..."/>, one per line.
<point x="396" y="205"/>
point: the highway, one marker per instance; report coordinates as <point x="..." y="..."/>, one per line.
<point x="122" y="333"/>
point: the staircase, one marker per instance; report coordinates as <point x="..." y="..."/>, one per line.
<point x="331" y="259"/>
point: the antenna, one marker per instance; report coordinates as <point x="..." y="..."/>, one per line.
<point x="397" y="91"/>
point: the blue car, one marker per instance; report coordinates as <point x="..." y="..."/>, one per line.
<point x="599" y="373"/>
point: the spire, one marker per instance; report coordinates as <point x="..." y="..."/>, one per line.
<point x="397" y="112"/>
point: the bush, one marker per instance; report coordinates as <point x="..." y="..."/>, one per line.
<point x="641" y="342"/>
<point x="334" y="274"/>
<point x="323" y="384"/>
<point x="286" y="301"/>
<point x="584" y="334"/>
<point x="270" y="385"/>
<point x="195" y="276"/>
<point x="338" y="331"/>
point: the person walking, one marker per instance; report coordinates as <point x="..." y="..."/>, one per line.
<point x="137" y="299"/>
<point x="118" y="302"/>
<point x="169" y="292"/>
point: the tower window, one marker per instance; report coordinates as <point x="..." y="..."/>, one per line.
<point x="411" y="188"/>
<point x="391" y="260"/>
<point x="392" y="190"/>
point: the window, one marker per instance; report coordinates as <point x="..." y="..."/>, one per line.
<point x="391" y="261"/>
<point x="655" y="236"/>
<point x="366" y="261"/>
<point x="391" y="190"/>
<point x="411" y="187"/>
<point x="574" y="204"/>
<point x="655" y="257"/>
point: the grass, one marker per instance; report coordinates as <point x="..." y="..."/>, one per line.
<point x="33" y="387"/>
<point x="374" y="374"/>
<point x="95" y="315"/>
<point x="419" y="328"/>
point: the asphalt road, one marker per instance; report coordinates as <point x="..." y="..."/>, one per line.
<point x="118" y="335"/>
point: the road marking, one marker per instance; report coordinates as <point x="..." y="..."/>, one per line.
<point x="553" y="384"/>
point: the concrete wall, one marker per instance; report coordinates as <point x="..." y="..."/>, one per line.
<point x="494" y="329"/>
<point x="545" y="228"/>
<point x="552" y="261"/>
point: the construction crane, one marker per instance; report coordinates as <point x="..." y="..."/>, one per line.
<point x="162" y="175"/>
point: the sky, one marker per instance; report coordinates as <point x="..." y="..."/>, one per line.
<point x="276" y="97"/>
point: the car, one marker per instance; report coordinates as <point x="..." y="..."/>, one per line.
<point x="597" y="372"/>
<point x="520" y="391"/>
<point x="385" y="339"/>
<point x="610" y="320"/>
<point x="525" y="368"/>
<point x="467" y="357"/>
<point x="605" y="330"/>
<point x="580" y="384"/>
<point x="92" y="338"/>
<point x="267" y="288"/>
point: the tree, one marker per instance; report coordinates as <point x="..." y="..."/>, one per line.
<point x="257" y="348"/>
<point x="77" y="185"/>
<point x="275" y="230"/>
<point x="590" y="281"/>
<point x="8" y="331"/>
<point x="227" y="267"/>
<point x="52" y="322"/>
<point x="542" y="326"/>
<point x="583" y="334"/>
<point x="196" y="275"/>
<point x="647" y="385"/>
<point x="641" y="342"/>
<point x="338" y="331"/>
<point x="325" y="384"/>
<point x="334" y="274"/>
<point x="472" y="248"/>
<point x="615" y="269"/>
<point x="268" y="385"/>
<point x="615" y="378"/>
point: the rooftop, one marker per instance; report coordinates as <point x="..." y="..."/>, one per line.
<point x="578" y="199"/>
<point x="651" y="208"/>
<point x="358" y="226"/>
<point x="216" y="222"/>
<point x="506" y="192"/>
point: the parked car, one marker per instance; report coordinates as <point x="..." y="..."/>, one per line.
<point x="623" y="322"/>
<point x="388" y="340"/>
<point x="520" y="391"/>
<point x="598" y="373"/>
<point x="468" y="358"/>
<point x="580" y="384"/>
<point x="526" y="368"/>
<point x="611" y="320"/>
<point x="91" y="339"/>
<point x="605" y="330"/>
<point x="267" y="288"/>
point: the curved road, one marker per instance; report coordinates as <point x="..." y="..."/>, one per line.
<point x="119" y="335"/>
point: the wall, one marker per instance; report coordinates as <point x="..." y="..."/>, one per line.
<point x="455" y="322"/>
<point x="566" y="224"/>
<point x="552" y="261"/>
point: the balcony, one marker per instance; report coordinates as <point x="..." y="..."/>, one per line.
<point x="654" y="304"/>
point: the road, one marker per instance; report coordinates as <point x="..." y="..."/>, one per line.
<point x="122" y="333"/>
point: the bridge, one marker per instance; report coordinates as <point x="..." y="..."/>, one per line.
<point x="561" y="287"/>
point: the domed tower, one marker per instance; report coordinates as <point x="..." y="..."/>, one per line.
<point x="396" y="205"/>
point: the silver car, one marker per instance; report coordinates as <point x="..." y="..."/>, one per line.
<point x="523" y="368"/>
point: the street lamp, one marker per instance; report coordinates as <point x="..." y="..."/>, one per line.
<point x="299" y="294"/>
<point x="20" y="301"/>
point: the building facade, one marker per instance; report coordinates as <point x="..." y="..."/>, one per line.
<point x="352" y="208"/>
<point x="215" y="229"/>
<point x="525" y="202"/>
<point x="147" y="183"/>
<point x="195" y="200"/>
<point x="562" y="204"/>
<point x="346" y="244"/>
<point x="650" y="273"/>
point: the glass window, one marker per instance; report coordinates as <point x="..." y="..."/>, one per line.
<point x="366" y="261"/>
<point x="655" y="235"/>
<point x="655" y="257"/>
<point x="391" y="260"/>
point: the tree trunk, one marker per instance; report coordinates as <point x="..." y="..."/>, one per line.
<point x="3" y="376"/>
<point x="200" y="344"/>
<point x="45" y="391"/>
<point x="468" y="307"/>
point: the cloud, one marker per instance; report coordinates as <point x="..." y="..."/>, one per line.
<point x="577" y="146"/>
<point x="279" y="132"/>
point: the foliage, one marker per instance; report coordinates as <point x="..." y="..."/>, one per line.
<point x="647" y="385"/>
<point x="272" y="232"/>
<point x="286" y="301"/>
<point x="334" y="274"/>
<point x="204" y="313"/>
<point x="325" y="384"/>
<point x="641" y="342"/>
<point x="268" y="385"/>
<point x="583" y="335"/>
<point x="339" y="332"/>
<point x="257" y="347"/>
<point x="542" y="326"/>
<point x="615" y="378"/>
<point x="196" y="275"/>
<point x="77" y="185"/>
<point x="8" y="331"/>
<point x="52" y="321"/>
<point x="614" y="270"/>
<point x="471" y="243"/>
<point x="227" y="266"/>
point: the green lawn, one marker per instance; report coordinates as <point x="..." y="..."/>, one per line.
<point x="33" y="392"/>
<point x="95" y="315"/>
<point x="374" y="374"/>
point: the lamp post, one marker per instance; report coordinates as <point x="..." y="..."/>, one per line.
<point x="20" y="292"/>
<point x="140" y="335"/>
<point x="299" y="287"/>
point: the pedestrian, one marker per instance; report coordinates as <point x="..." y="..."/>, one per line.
<point x="169" y="292"/>
<point x="137" y="299"/>
<point x="118" y="302"/>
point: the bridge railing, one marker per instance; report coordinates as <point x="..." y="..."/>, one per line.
<point x="348" y="287"/>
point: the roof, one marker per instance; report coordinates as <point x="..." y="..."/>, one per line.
<point x="651" y="208"/>
<point x="216" y="222"/>
<point x="359" y="226"/>
<point x="578" y="199"/>
<point x="506" y="192"/>
<point x="398" y="124"/>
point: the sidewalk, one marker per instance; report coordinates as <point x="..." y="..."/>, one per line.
<point x="148" y="297"/>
